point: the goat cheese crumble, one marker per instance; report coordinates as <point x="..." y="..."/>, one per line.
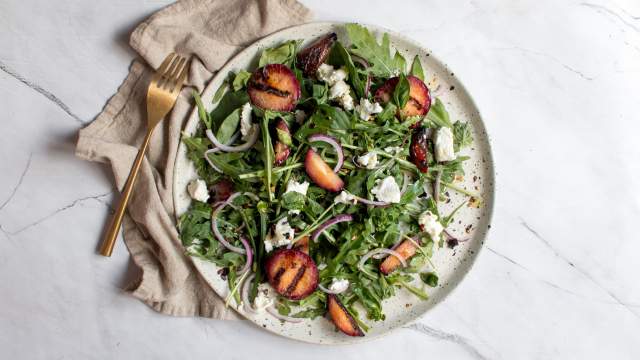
<point x="366" y="108"/>
<point x="387" y="190"/>
<point x="444" y="145"/>
<point x="429" y="223"/>
<point x="368" y="160"/>
<point x="294" y="186"/>
<point x="339" y="285"/>
<point x="281" y="235"/>
<point x="245" y="120"/>
<point x="345" y="198"/>
<point x="197" y="189"/>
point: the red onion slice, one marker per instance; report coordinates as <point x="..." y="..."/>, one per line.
<point x="216" y="149"/>
<point x="251" y="140"/>
<point x="367" y="86"/>
<point x="326" y="224"/>
<point x="360" y="60"/>
<point x="245" y="294"/>
<point x="274" y="312"/>
<point x="214" y="221"/>
<point x="247" y="249"/>
<point x="334" y="143"/>
<point x="372" y="202"/>
<point x="366" y="256"/>
<point x="328" y="291"/>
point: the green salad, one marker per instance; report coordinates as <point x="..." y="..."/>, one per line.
<point x="320" y="172"/>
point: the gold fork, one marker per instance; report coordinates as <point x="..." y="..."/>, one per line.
<point x="163" y="91"/>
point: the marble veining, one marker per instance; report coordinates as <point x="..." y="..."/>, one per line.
<point x="557" y="86"/>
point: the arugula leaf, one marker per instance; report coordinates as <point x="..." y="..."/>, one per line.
<point x="400" y="62"/>
<point x="364" y="44"/>
<point x="461" y="135"/>
<point x="218" y="95"/>
<point x="228" y="127"/>
<point x="282" y="54"/>
<point x="202" y="112"/>
<point x="401" y="92"/>
<point x="240" y="80"/>
<point x="416" y="68"/>
<point x="222" y="161"/>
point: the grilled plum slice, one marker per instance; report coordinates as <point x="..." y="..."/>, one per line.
<point x="310" y="59"/>
<point x="292" y="273"/>
<point x="274" y="87"/>
<point x="406" y="249"/>
<point x="302" y="245"/>
<point x="419" y="148"/>
<point x="341" y="317"/>
<point x="220" y="191"/>
<point x="321" y="173"/>
<point x="281" y="147"/>
<point x="419" y="96"/>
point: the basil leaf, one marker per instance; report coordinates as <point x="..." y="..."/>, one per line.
<point x="228" y="126"/>
<point x="401" y="92"/>
<point x="416" y="68"/>
<point x="429" y="278"/>
<point x="241" y="80"/>
<point x="283" y="54"/>
<point x="229" y="103"/>
<point x="438" y="115"/>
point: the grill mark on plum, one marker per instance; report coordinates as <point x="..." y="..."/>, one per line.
<point x="295" y="280"/>
<point x="276" y="278"/>
<point x="270" y="89"/>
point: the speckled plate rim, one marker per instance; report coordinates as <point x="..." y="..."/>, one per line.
<point x="488" y="194"/>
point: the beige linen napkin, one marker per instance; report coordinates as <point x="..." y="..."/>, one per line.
<point x="212" y="31"/>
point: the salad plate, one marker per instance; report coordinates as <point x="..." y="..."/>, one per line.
<point x="334" y="182"/>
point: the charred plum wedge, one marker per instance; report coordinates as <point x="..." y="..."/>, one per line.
<point x="419" y="148"/>
<point x="292" y="273"/>
<point x="302" y="245"/>
<point x="419" y="96"/>
<point x="274" y="87"/>
<point x="281" y="147"/>
<point x="321" y="173"/>
<point x="310" y="59"/>
<point x="406" y="249"/>
<point x="220" y="191"/>
<point x="341" y="317"/>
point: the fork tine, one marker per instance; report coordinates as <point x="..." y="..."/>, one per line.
<point x="172" y="76"/>
<point x="178" y="80"/>
<point x="163" y="67"/>
<point x="166" y="75"/>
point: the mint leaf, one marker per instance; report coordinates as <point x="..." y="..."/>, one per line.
<point x="461" y="135"/>
<point x="293" y="201"/>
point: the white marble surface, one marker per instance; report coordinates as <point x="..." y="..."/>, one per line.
<point x="557" y="82"/>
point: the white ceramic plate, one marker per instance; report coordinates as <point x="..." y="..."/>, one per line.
<point x="472" y="223"/>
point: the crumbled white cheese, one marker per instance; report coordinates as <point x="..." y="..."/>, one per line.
<point x="245" y="120"/>
<point x="195" y="246"/>
<point x="393" y="150"/>
<point x="197" y="189"/>
<point x="429" y="223"/>
<point x="367" y="108"/>
<point x="293" y="212"/>
<point x="300" y="116"/>
<point x="281" y="235"/>
<point x="345" y="198"/>
<point x="444" y="145"/>
<point x="327" y="74"/>
<point x="294" y="186"/>
<point x="387" y="190"/>
<point x="368" y="160"/>
<point x="264" y="297"/>
<point x="341" y="92"/>
<point x="322" y="266"/>
<point x="339" y="285"/>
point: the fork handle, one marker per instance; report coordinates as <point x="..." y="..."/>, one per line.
<point x="114" y="229"/>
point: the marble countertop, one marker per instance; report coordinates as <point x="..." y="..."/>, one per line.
<point x="557" y="82"/>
